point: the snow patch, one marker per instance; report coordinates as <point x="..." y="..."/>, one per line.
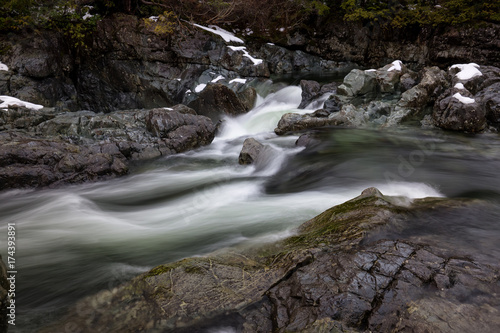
<point x="396" y="66"/>
<point x="370" y="70"/>
<point x="226" y="35"/>
<point x="3" y="67"/>
<point x="154" y="18"/>
<point x="467" y="71"/>
<point x="463" y="99"/>
<point x="246" y="54"/>
<point x="7" y="101"/>
<point x="200" y="87"/>
<point x="169" y="109"/>
<point x="459" y="86"/>
<point x="220" y="77"/>
<point x="238" y="81"/>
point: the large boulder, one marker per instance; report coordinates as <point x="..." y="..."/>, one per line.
<point x="457" y="110"/>
<point x="180" y="131"/>
<point x="217" y="100"/>
<point x="334" y="274"/>
<point x="358" y="82"/>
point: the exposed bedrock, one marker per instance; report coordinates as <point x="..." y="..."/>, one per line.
<point x="45" y="148"/>
<point x="335" y="274"/>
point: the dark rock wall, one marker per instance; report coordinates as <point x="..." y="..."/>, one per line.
<point x="127" y="66"/>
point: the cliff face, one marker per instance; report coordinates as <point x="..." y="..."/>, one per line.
<point x="126" y="65"/>
<point x="374" y="46"/>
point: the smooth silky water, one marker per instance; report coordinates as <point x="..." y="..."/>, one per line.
<point x="78" y="240"/>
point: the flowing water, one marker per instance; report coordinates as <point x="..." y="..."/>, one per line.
<point x="77" y="240"/>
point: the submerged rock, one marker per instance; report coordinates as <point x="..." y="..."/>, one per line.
<point x="334" y="274"/>
<point x="254" y="152"/>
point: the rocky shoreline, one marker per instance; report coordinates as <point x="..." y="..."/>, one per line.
<point x="337" y="273"/>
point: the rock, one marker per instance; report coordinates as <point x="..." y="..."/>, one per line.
<point x="489" y="98"/>
<point x="27" y="161"/>
<point x="457" y="110"/>
<point x="416" y="101"/>
<point x="217" y="100"/>
<point x="58" y="148"/>
<point x="248" y="97"/>
<point x="333" y="274"/>
<point x="294" y="122"/>
<point x="250" y="151"/>
<point x="408" y="81"/>
<point x="181" y="108"/>
<point x="333" y="104"/>
<point x="180" y="131"/>
<point x="483" y="76"/>
<point x="358" y="82"/>
<point x="307" y="140"/>
<point x="312" y="90"/>
<point x="254" y="152"/>
<point x="4" y="287"/>
<point x="348" y="116"/>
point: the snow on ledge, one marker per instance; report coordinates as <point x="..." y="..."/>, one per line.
<point x="467" y="71"/>
<point x="3" y="67"/>
<point x="246" y="54"/>
<point x="8" y="101"/>
<point x="396" y="66"/>
<point x="463" y="99"/>
<point x="459" y="86"/>
<point x="226" y="35"/>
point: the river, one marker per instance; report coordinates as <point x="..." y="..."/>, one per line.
<point x="77" y="240"/>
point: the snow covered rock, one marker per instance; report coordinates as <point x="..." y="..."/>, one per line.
<point x="457" y="110"/>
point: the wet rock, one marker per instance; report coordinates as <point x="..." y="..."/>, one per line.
<point x="250" y="151"/>
<point x="254" y="152"/>
<point x="328" y="276"/>
<point x="307" y="140"/>
<point x="457" y="110"/>
<point x="180" y="131"/>
<point x="489" y="98"/>
<point x="217" y="100"/>
<point x="312" y="90"/>
<point x="28" y="161"/>
<point x="294" y="122"/>
<point x="248" y="97"/>
<point x="358" y="82"/>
